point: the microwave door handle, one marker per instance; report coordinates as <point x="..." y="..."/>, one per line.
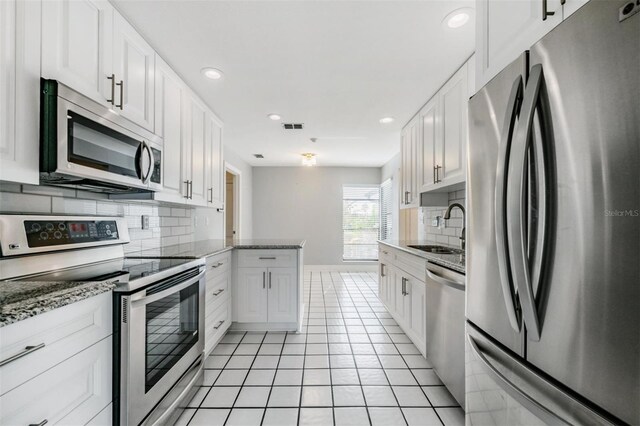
<point x="145" y="300"/>
<point x="141" y="161"/>
<point x="145" y="175"/>
<point x="508" y="289"/>
<point x="517" y="205"/>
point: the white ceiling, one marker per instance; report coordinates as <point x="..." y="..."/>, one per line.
<point x="336" y="66"/>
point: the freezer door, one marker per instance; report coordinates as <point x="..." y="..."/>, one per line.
<point x="491" y="297"/>
<point x="588" y="302"/>
<point x="502" y="390"/>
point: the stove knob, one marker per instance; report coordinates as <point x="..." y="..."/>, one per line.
<point x="44" y="235"/>
<point x="62" y="226"/>
<point x="36" y="227"/>
<point x="57" y="235"/>
<point x="50" y="226"/>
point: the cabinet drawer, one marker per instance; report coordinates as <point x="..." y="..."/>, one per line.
<point x="73" y="392"/>
<point x="216" y="325"/>
<point x="64" y="332"/>
<point x="213" y="304"/>
<point x="218" y="286"/>
<point x="267" y="258"/>
<point x="414" y="265"/>
<point x="218" y="264"/>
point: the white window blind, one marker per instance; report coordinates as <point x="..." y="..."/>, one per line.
<point x="386" y="218"/>
<point x="360" y="222"/>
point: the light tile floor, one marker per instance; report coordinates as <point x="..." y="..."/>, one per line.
<point x="352" y="365"/>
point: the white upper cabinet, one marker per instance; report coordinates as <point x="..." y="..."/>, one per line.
<point x="451" y="147"/>
<point x="428" y="119"/>
<point x="88" y="46"/>
<point x="194" y="154"/>
<point x="168" y="125"/>
<point x="214" y="162"/>
<point x="77" y="46"/>
<point x="505" y="29"/>
<point x="411" y="164"/>
<point x="19" y="91"/>
<point x="133" y="64"/>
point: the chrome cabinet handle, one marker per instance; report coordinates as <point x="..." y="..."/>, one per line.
<point x="217" y="265"/>
<point x="435" y="180"/>
<point x="121" y="84"/>
<point x="210" y="200"/>
<point x="42" y="423"/>
<point x="545" y="12"/>
<point x="500" y="207"/>
<point x="218" y="292"/>
<point x="382" y="270"/>
<point x="219" y="325"/>
<point x="27" y="350"/>
<point x="267" y="258"/>
<point x="406" y="197"/>
<point x="404" y="286"/>
<point x="112" y="101"/>
<point x="438" y="174"/>
<point x="191" y="190"/>
<point x="269" y="279"/>
<point x="187" y="196"/>
<point x="517" y="203"/>
<point x="264" y="280"/>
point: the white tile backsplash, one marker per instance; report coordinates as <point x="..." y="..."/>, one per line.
<point x="167" y="225"/>
<point x="450" y="234"/>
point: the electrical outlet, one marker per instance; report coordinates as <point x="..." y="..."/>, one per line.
<point x="145" y="221"/>
<point x="435" y="222"/>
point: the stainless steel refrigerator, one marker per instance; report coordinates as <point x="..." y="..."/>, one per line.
<point x="553" y="279"/>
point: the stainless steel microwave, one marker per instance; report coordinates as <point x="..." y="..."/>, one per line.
<point x="88" y="146"/>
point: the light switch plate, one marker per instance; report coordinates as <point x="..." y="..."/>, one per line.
<point x="145" y="221"/>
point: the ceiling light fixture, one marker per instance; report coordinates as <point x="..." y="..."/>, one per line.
<point x="211" y="73"/>
<point x="274" y="117"/>
<point x="387" y="120"/>
<point x="457" y="18"/>
<point x="308" y="159"/>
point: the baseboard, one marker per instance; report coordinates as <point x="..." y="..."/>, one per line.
<point x="356" y="267"/>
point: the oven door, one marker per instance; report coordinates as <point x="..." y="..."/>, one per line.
<point x="93" y="147"/>
<point x="165" y="335"/>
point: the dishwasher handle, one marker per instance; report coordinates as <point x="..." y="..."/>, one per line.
<point x="435" y="276"/>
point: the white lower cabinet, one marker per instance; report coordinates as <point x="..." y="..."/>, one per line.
<point x="404" y="294"/>
<point x="70" y="393"/>
<point x="217" y="299"/>
<point x="266" y="291"/>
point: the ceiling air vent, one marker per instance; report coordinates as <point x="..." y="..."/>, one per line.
<point x="293" y="126"/>
<point x="258" y="155"/>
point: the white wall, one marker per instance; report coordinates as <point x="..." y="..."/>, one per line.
<point x="392" y="170"/>
<point x="246" y="190"/>
<point x="305" y="203"/>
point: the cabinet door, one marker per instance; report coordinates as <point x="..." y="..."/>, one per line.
<point x="214" y="164"/>
<point x="399" y="299"/>
<point x="168" y="116"/>
<point x="504" y="29"/>
<point x="133" y="61"/>
<point x="405" y="171"/>
<point x="251" y="294"/>
<point x="77" y="37"/>
<point x="283" y="294"/>
<point x="429" y="135"/>
<point x="416" y="163"/>
<point x="418" y="323"/>
<point x="452" y="146"/>
<point x="19" y="91"/>
<point x="194" y="149"/>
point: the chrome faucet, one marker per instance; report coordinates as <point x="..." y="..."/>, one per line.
<point x="447" y="216"/>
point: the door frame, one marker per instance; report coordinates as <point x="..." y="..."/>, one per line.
<point x="236" y="198"/>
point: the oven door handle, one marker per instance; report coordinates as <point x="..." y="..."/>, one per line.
<point x="145" y="300"/>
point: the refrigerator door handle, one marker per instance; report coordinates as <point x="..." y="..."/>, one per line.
<point x="517" y="205"/>
<point x="508" y="290"/>
<point x="514" y="391"/>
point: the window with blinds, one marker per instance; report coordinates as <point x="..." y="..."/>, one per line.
<point x="360" y="222"/>
<point x="386" y="219"/>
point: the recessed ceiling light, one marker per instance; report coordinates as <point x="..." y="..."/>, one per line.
<point x="212" y="73"/>
<point x="386" y="120"/>
<point x="458" y="17"/>
<point x="274" y="117"/>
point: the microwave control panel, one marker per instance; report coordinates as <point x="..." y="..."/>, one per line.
<point x="53" y="233"/>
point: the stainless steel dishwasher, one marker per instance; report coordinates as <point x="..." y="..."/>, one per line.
<point x="445" y="327"/>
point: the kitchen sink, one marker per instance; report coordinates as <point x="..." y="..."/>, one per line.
<point x="435" y="249"/>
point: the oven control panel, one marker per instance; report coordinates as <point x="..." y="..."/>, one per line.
<point x="43" y="233"/>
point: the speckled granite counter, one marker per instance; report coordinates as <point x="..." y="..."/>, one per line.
<point x="206" y="248"/>
<point x="20" y="300"/>
<point x="454" y="262"/>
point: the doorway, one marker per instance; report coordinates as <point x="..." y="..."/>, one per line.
<point x="232" y="203"/>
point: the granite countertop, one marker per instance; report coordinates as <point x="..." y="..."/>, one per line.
<point x="198" y="249"/>
<point x="20" y="300"/>
<point x="455" y="262"/>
